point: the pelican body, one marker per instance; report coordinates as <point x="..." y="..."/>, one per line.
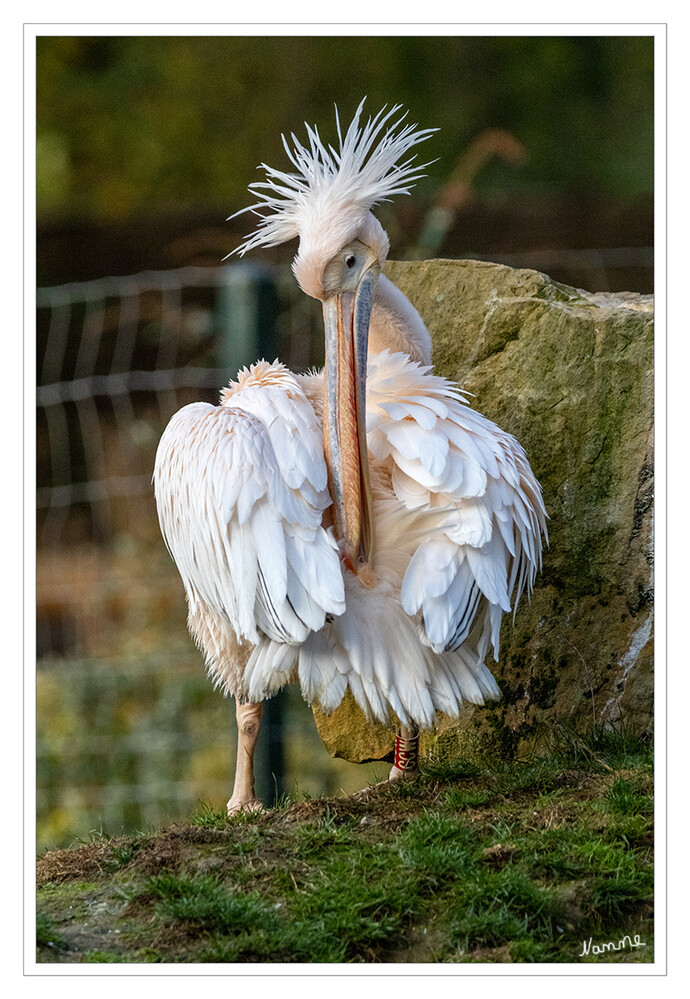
<point x="360" y="527"/>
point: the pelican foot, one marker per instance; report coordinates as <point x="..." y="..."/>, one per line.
<point x="406" y="759"/>
<point x="398" y="774"/>
<point x="236" y="805"/>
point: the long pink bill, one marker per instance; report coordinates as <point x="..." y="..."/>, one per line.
<point x="346" y="321"/>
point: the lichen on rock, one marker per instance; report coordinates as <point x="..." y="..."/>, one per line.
<point x="570" y="374"/>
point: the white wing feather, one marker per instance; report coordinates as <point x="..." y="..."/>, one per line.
<point x="240" y="490"/>
<point x="444" y="456"/>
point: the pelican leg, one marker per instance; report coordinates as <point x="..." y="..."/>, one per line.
<point x="248" y="724"/>
<point x="406" y="763"/>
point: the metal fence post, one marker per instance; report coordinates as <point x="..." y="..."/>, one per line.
<point x="247" y="313"/>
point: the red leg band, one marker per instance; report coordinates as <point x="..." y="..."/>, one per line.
<point x="407" y="753"/>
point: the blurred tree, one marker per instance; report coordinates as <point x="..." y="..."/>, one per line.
<point x="139" y="125"/>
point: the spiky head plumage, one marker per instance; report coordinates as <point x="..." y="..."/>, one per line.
<point x="328" y="200"/>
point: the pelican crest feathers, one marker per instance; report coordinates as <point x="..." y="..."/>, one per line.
<point x="333" y="190"/>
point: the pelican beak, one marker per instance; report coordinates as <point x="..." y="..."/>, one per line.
<point x="346" y="319"/>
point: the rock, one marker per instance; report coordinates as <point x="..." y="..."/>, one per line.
<point x="348" y="735"/>
<point x="570" y="374"/>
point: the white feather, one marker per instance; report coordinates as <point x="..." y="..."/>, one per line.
<point x="253" y="476"/>
<point x="481" y="478"/>
<point x="334" y="185"/>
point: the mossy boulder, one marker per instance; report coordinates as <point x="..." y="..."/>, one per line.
<point x="570" y="374"/>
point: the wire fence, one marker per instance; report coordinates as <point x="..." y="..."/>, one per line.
<point x="117" y="357"/>
<point x="131" y="743"/>
<point x="131" y="733"/>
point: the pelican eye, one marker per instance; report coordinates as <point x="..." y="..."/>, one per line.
<point x="350" y="260"/>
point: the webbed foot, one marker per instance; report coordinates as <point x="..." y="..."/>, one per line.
<point x="236" y="805"/>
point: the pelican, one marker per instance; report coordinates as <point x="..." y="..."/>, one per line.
<point x="360" y="527"/>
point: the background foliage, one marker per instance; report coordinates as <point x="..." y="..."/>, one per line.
<point x="162" y="124"/>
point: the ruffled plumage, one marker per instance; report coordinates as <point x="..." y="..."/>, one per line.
<point x="458" y="516"/>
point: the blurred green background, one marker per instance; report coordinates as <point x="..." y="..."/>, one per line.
<point x="143" y="141"/>
<point x="144" y="146"/>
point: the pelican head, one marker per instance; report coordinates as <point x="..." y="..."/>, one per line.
<point x="327" y="203"/>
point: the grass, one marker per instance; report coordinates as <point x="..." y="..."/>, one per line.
<point x="46" y="934"/>
<point x="511" y="863"/>
<point x="624" y="798"/>
<point x="203" y="903"/>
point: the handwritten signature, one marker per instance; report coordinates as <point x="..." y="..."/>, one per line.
<point x="603" y="948"/>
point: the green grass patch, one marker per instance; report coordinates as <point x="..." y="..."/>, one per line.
<point x="449" y="768"/>
<point x="325" y="834"/>
<point x="502" y="863"/>
<point x="459" y="797"/>
<point x="606" y="746"/>
<point x="204" y="902"/>
<point x="96" y="956"/>
<point x="208" y="817"/>
<point x="495" y="908"/>
<point x="624" y="798"/>
<point x="46" y="933"/>
<point x="355" y="905"/>
<point x="438" y="848"/>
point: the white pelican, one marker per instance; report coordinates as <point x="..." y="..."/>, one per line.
<point x="362" y="527"/>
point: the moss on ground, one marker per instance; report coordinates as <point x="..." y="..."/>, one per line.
<point x="510" y="863"/>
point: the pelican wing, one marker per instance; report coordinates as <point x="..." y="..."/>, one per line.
<point x="485" y="509"/>
<point x="241" y="489"/>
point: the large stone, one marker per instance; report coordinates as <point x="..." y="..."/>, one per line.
<point x="570" y="374"/>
